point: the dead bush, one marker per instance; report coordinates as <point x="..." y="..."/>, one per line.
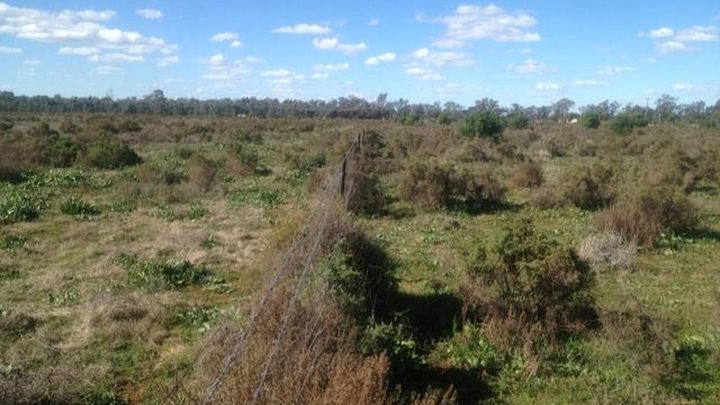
<point x="201" y="173"/>
<point x="642" y="217"/>
<point x="608" y="250"/>
<point x="480" y="187"/>
<point x="527" y="175"/>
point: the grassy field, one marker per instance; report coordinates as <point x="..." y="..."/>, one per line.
<point x="111" y="280"/>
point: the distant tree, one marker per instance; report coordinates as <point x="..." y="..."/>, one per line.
<point x="562" y="108"/>
<point x="487" y="105"/>
<point x="483" y="124"/>
<point x="666" y="108"/>
<point x="590" y="119"/>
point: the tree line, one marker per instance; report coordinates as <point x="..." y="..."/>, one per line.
<point x="664" y="109"/>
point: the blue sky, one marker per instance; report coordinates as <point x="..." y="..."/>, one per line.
<point x="525" y="52"/>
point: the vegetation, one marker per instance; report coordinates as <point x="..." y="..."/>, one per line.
<point x="551" y="264"/>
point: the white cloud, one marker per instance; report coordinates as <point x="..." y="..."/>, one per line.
<point x="331" y="68"/>
<point x="670" y="46"/>
<point x="224" y="37"/>
<point x="698" y="34"/>
<point x="105" y="70"/>
<point x="282" y="76"/>
<point x="423" y="73"/>
<point x="79" y="51"/>
<point x="668" y="40"/>
<point x="149" y="13"/>
<point x="317" y="76"/>
<point x="5" y="50"/>
<point x="231" y="37"/>
<point x="221" y="70"/>
<point x="252" y="59"/>
<point x="31" y="62"/>
<point x="82" y="28"/>
<point x="588" y="83"/>
<point x="441" y="58"/>
<point x="167" y="61"/>
<point x="531" y="66"/>
<point x="334" y="44"/>
<point x="303" y="29"/>
<point x="374" y="22"/>
<point x="683" y="87"/>
<point x="614" y="70"/>
<point x="382" y="58"/>
<point x="474" y="22"/>
<point x="116" y="57"/>
<point x="548" y="87"/>
<point x="663" y="32"/>
<point x="217" y="60"/>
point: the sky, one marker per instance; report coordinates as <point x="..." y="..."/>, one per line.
<point x="525" y="52"/>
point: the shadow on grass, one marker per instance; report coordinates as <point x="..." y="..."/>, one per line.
<point x="705" y="233"/>
<point x="431" y="317"/>
<point x="469" y="386"/>
<point x="484" y="207"/>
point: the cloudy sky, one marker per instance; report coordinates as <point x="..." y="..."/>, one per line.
<point x="526" y="52"/>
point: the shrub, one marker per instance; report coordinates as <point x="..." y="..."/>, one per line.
<point x="644" y="216"/>
<point x="527" y="175"/>
<point x="68" y="126"/>
<point x="625" y="124"/>
<point x="590" y="120"/>
<point x="356" y="271"/>
<point x="201" y="173"/>
<point x="42" y="130"/>
<point x="110" y="154"/>
<point x="430" y="184"/>
<point x="530" y="280"/>
<point x="60" y="151"/>
<point x="485" y="124"/>
<point x="479" y="187"/>
<point x="241" y="161"/>
<point x="607" y="250"/>
<point x="588" y="187"/>
<point x="436" y="184"/>
<point x="518" y="121"/>
<point x="305" y="164"/>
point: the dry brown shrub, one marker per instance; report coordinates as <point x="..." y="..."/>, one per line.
<point x="527" y="175"/>
<point x="642" y="217"/>
<point x="201" y="173"/>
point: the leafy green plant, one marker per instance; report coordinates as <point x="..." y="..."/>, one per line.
<point x="157" y="274"/>
<point x="79" y="208"/>
<point x="470" y="350"/>
<point x="11" y="243"/>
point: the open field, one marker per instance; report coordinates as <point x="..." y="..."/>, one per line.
<point x="119" y="281"/>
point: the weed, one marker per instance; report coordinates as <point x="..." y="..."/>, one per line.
<point x="156" y="274"/>
<point x="79" y="209"/>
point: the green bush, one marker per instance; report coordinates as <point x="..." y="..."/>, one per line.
<point x="625" y="124"/>
<point x="110" y="154"/>
<point x="357" y="272"/>
<point x="590" y="120"/>
<point x="484" y="124"/>
<point x="529" y="279"/>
